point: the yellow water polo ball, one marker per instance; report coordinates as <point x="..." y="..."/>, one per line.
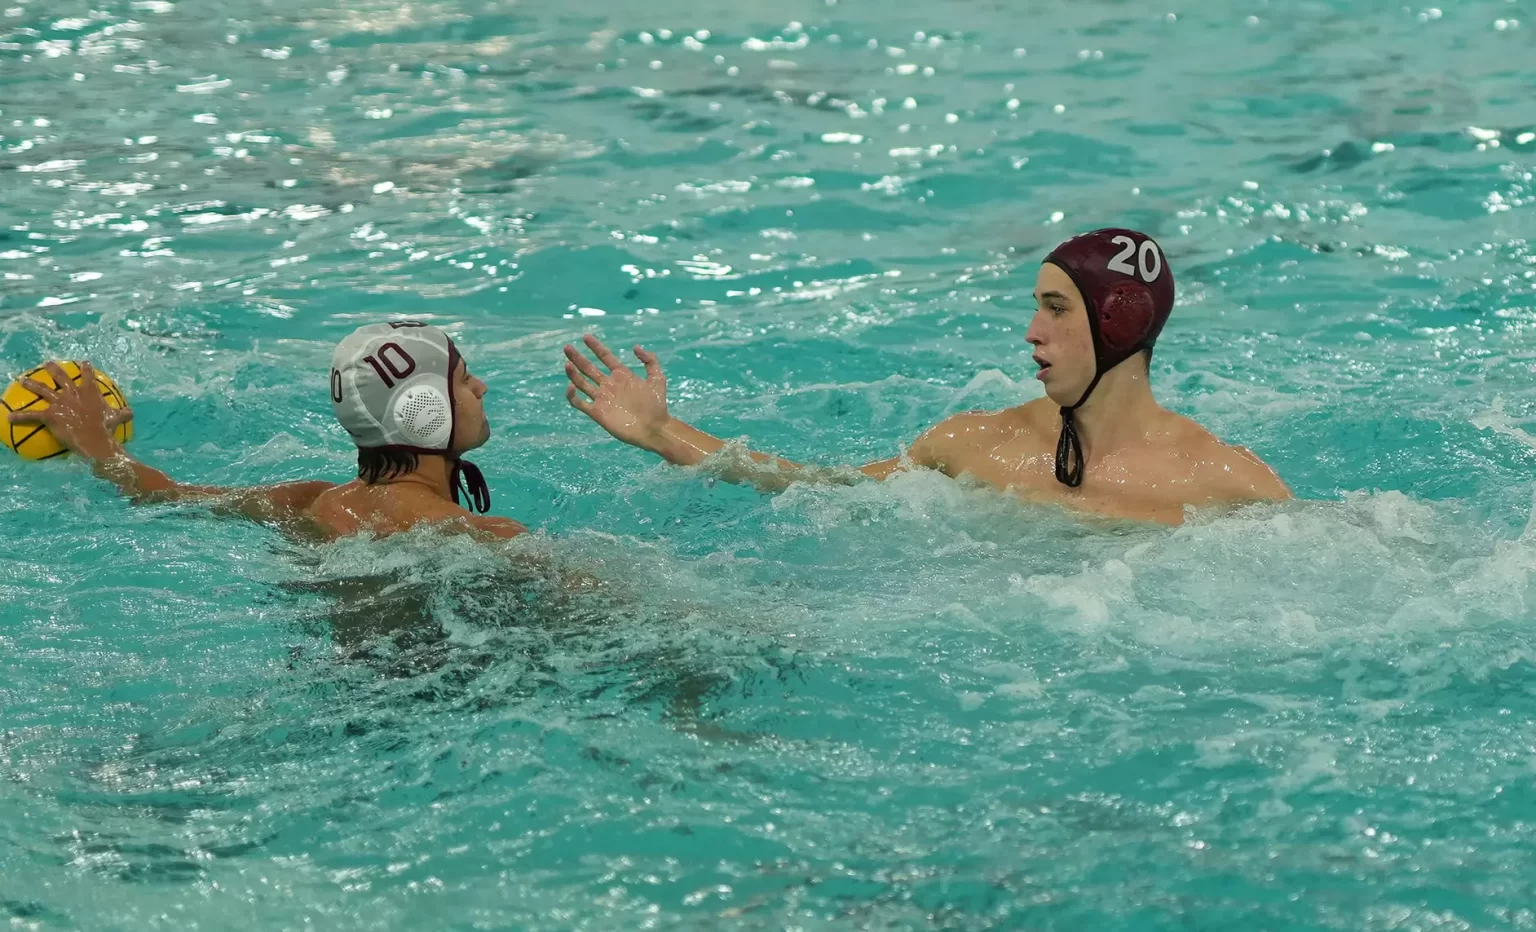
<point x="36" y="442"/>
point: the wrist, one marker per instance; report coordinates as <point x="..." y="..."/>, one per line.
<point x="662" y="437"/>
<point x="101" y="451"/>
<point x="682" y="444"/>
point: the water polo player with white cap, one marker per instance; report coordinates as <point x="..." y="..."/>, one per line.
<point x="1097" y="442"/>
<point x="403" y="393"/>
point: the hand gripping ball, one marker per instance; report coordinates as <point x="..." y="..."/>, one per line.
<point x="33" y="441"/>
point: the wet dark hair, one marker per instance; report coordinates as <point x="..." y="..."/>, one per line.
<point x="374" y="465"/>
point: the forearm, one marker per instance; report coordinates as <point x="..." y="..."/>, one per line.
<point x="682" y="444"/>
<point x="132" y="478"/>
<point x="137" y="481"/>
<point x="274" y="504"/>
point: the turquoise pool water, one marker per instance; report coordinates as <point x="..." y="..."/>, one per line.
<point x="909" y="705"/>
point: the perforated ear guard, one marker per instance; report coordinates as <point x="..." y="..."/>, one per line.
<point x="424" y="416"/>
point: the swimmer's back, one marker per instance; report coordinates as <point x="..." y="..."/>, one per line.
<point x="389" y="508"/>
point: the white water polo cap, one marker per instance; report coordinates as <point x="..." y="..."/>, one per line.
<point x="392" y="388"/>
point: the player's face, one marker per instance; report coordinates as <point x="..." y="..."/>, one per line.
<point x="470" y="426"/>
<point x="1063" y="344"/>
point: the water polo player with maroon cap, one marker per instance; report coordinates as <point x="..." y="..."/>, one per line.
<point x="1098" y="442"/>
<point x="1126" y="297"/>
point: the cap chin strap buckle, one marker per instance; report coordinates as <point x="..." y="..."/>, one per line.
<point x="1069" y="446"/>
<point x="1069" y="451"/>
<point x="467" y="476"/>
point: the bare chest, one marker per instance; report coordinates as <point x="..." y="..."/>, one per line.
<point x="1148" y="485"/>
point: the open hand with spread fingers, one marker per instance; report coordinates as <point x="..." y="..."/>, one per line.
<point x="77" y="414"/>
<point x="631" y="408"/>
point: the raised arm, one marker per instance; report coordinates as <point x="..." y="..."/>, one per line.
<point x="634" y="410"/>
<point x="80" y="419"/>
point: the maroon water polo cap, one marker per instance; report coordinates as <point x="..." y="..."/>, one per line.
<point x="1128" y="289"/>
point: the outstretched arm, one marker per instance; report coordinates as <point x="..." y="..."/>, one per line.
<point x="634" y="410"/>
<point x="79" y="418"/>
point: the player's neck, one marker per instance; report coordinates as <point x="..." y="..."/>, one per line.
<point x="431" y="473"/>
<point x="1119" y="411"/>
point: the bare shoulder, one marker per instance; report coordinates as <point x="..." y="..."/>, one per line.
<point x="500" y="528"/>
<point x="269" y="504"/>
<point x="1260" y="476"/>
<point x="297" y="496"/>
<point x="1232" y="473"/>
<point x="1032" y="417"/>
<point x="962" y="433"/>
<point x="390" y="509"/>
<point x="432" y="510"/>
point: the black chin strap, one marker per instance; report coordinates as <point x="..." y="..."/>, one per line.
<point x="1069" y="446"/>
<point x="1069" y="451"/>
<point x="468" y="476"/>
